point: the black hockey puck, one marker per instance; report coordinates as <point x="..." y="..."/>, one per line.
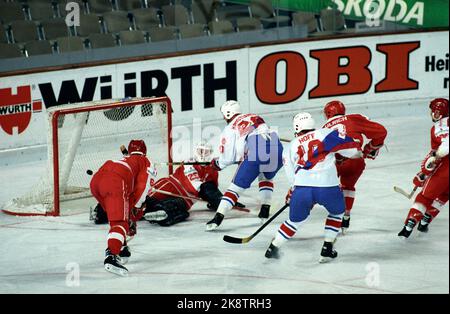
<point x="89" y="172"/>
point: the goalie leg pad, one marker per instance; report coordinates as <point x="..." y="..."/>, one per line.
<point x="210" y="192"/>
<point x="176" y="209"/>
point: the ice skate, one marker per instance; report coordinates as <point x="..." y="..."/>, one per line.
<point x="113" y="265"/>
<point x="327" y="254"/>
<point x="407" y="229"/>
<point x="273" y="252"/>
<point x="264" y="213"/>
<point x="424" y="223"/>
<point x="214" y="223"/>
<point x="124" y="255"/>
<point x="345" y="224"/>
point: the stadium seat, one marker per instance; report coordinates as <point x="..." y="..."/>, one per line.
<point x="161" y="34"/>
<point x="264" y="10"/>
<point x="101" y="41"/>
<point x="232" y="12"/>
<point x="129" y="5"/>
<point x="24" y="31"/>
<point x="131" y="37"/>
<point x="332" y="20"/>
<point x="3" y="36"/>
<point x="248" y="24"/>
<point x="11" y="11"/>
<point x="41" y="47"/>
<point x="305" y="18"/>
<point x="175" y="15"/>
<point x="203" y="11"/>
<point x="69" y="44"/>
<point x="99" y="6"/>
<point x="191" y="30"/>
<point x="89" y="24"/>
<point x="220" y="27"/>
<point x="116" y="21"/>
<point x="146" y="18"/>
<point x="10" y="51"/>
<point x="39" y="11"/>
<point x="158" y="3"/>
<point x="54" y="28"/>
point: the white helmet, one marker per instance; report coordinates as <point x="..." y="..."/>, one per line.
<point x="230" y="108"/>
<point x="203" y="152"/>
<point x="303" y="121"/>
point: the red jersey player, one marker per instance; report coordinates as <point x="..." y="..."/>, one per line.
<point x="350" y="170"/>
<point x="187" y="183"/>
<point x="121" y="188"/>
<point x="433" y="176"/>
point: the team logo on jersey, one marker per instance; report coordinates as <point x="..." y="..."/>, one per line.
<point x="16" y="109"/>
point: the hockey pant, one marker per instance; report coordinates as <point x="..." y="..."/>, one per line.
<point x="349" y="172"/>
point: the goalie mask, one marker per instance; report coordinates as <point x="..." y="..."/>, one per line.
<point x="203" y="152"/>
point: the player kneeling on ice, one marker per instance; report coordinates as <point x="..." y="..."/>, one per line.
<point x="357" y="127"/>
<point x="121" y="187"/>
<point x="310" y="167"/>
<point x="248" y="139"/>
<point x="433" y="177"/>
<point x="171" y="198"/>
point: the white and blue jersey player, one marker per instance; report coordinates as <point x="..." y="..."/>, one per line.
<point x="247" y="139"/>
<point x="311" y="170"/>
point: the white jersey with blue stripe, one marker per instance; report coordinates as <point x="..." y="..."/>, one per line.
<point x="233" y="139"/>
<point x="310" y="159"/>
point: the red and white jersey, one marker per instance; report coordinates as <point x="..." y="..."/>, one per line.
<point x="439" y="132"/>
<point x="234" y="137"/>
<point x="186" y="181"/>
<point x="310" y="159"/>
<point x="355" y="126"/>
<point x="137" y="171"/>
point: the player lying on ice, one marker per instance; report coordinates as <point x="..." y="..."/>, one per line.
<point x="121" y="187"/>
<point x="350" y="170"/>
<point x="171" y="198"/>
<point x="310" y="168"/>
<point x="249" y="140"/>
<point x="174" y="196"/>
<point x="433" y="176"/>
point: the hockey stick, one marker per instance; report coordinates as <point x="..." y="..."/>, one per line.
<point x="404" y="193"/>
<point x="243" y="209"/>
<point x="234" y="240"/>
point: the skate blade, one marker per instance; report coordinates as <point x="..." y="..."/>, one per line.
<point x="344" y="231"/>
<point x="116" y="270"/>
<point x="211" y="227"/>
<point x="263" y="220"/>
<point x="324" y="260"/>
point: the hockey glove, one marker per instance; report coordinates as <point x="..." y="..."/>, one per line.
<point x="371" y="151"/>
<point x="289" y="195"/>
<point x="419" y="179"/>
<point x="136" y="214"/>
<point x="215" y="164"/>
<point x="429" y="164"/>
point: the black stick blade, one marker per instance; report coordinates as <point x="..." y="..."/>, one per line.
<point x="234" y="240"/>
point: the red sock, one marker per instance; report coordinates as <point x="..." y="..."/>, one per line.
<point x="117" y="236"/>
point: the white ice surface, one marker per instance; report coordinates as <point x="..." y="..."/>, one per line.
<point x="37" y="251"/>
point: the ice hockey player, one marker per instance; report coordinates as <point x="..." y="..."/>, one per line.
<point x="433" y="176"/>
<point x="187" y="182"/>
<point x="310" y="168"/>
<point x="121" y="187"/>
<point x="247" y="139"/>
<point x="350" y="170"/>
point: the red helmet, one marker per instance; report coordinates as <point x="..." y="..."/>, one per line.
<point x="334" y="108"/>
<point x="439" y="108"/>
<point x="137" y="147"/>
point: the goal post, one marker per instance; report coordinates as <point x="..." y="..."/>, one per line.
<point x="83" y="136"/>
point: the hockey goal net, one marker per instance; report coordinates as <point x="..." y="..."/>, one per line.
<point x="81" y="137"/>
